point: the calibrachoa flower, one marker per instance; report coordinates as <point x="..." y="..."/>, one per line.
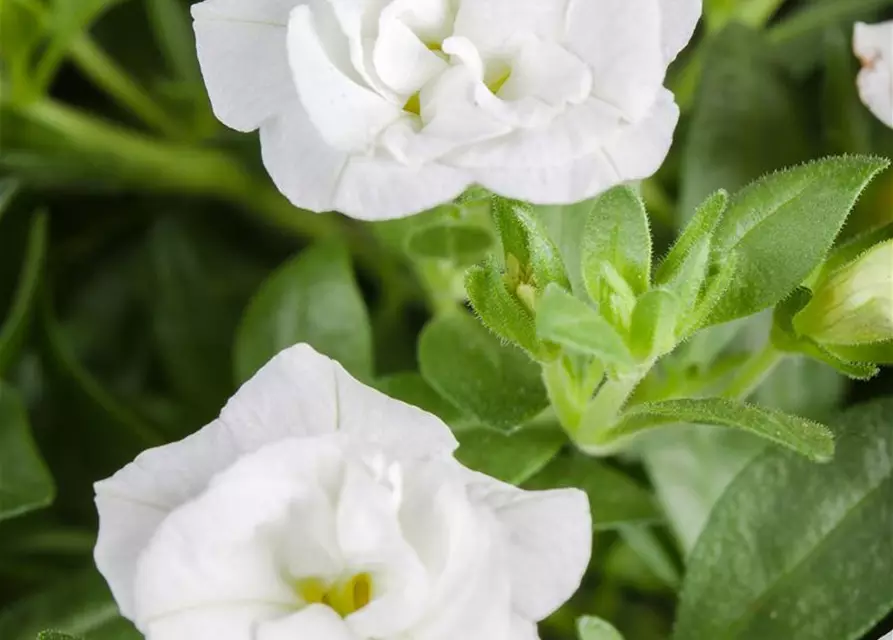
<point x="874" y="46"/>
<point x="383" y="108"/>
<point x="317" y="508"/>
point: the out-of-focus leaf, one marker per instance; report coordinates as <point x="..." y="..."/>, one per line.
<point x="411" y="387"/>
<point x="819" y="553"/>
<point x="171" y="25"/>
<point x="494" y="383"/>
<point x="14" y="329"/>
<point x="462" y="243"/>
<point x="690" y="467"/>
<point x="615" y="499"/>
<point x="513" y="457"/>
<point x="79" y="605"/>
<point x="313" y="298"/>
<point x="592" y="628"/>
<point x="25" y="482"/>
<point x="746" y="122"/>
<point x="197" y="292"/>
<point x="54" y="635"/>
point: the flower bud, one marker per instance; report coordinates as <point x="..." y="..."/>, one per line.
<point x="853" y="305"/>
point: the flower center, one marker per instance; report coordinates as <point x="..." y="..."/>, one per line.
<point x="343" y="596"/>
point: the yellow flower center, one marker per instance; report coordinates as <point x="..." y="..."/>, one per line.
<point x="344" y="596"/>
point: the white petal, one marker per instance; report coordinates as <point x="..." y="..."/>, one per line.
<point x="431" y="20"/>
<point x="399" y="430"/>
<point x="549" y="72"/>
<point x="302" y="165"/>
<point x="403" y="61"/>
<point x="874" y="46"/>
<point x="134" y="501"/>
<point x="377" y="188"/>
<point x="621" y="41"/>
<point x="370" y="537"/>
<point x="557" y="184"/>
<point x="492" y="25"/>
<point x="233" y="543"/>
<point x="227" y="622"/>
<point x="580" y="130"/>
<point x="678" y="21"/>
<point x="241" y="49"/>
<point x="550" y="541"/>
<point x="471" y="592"/>
<point x="293" y="395"/>
<point x="348" y="115"/>
<point x="641" y="148"/>
<point x="313" y="623"/>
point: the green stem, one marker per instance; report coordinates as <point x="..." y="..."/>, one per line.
<point x="753" y="373"/>
<point x="112" y="79"/>
<point x="142" y="162"/>
<point x="602" y="411"/>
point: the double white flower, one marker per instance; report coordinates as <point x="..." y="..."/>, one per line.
<point x="384" y="108"/>
<point x="316" y="508"/>
<point x="873" y="45"/>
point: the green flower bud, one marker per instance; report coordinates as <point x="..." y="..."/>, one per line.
<point x="853" y="305"/>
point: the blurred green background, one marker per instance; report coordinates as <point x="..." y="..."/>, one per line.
<point x="148" y="266"/>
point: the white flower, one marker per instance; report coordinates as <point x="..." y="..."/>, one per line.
<point x="383" y="108"/>
<point x="874" y="46"/>
<point x="316" y="508"/>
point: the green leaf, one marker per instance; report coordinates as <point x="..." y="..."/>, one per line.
<point x="690" y="467"/>
<point x="806" y="437"/>
<point x="783" y="226"/>
<point x="754" y="13"/>
<point x="510" y="457"/>
<point x="14" y="329"/>
<point x="653" y="327"/>
<point x="25" y="481"/>
<point x="562" y="318"/>
<point x="54" y="635"/>
<point x="80" y="605"/>
<point x="616" y="233"/>
<point x="411" y="388"/>
<point x="746" y="104"/>
<point x="462" y="243"/>
<point x="592" y="628"/>
<point x="198" y="289"/>
<point x="9" y="188"/>
<point x="614" y="498"/>
<point x="643" y="540"/>
<point x="500" y="310"/>
<point x="565" y="225"/>
<point x="879" y="352"/>
<point x="819" y="554"/>
<point x="495" y="383"/>
<point x="313" y="298"/>
<point x="530" y="256"/>
<point x="685" y="267"/>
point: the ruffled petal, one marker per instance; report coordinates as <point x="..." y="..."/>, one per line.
<point x="873" y="44"/>
<point x="301" y="164"/>
<point x="347" y="114"/>
<point x="134" y="501"/>
<point x="314" y="623"/>
<point x="494" y="25"/>
<point x="378" y="188"/>
<point x="237" y="542"/>
<point x="640" y="149"/>
<point x="549" y="537"/>
<point x="556" y="184"/>
<point x="242" y="52"/>
<point x="225" y="622"/>
<point x="678" y="21"/>
<point x="402" y="61"/>
<point x="621" y="41"/>
<point x="401" y="431"/>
